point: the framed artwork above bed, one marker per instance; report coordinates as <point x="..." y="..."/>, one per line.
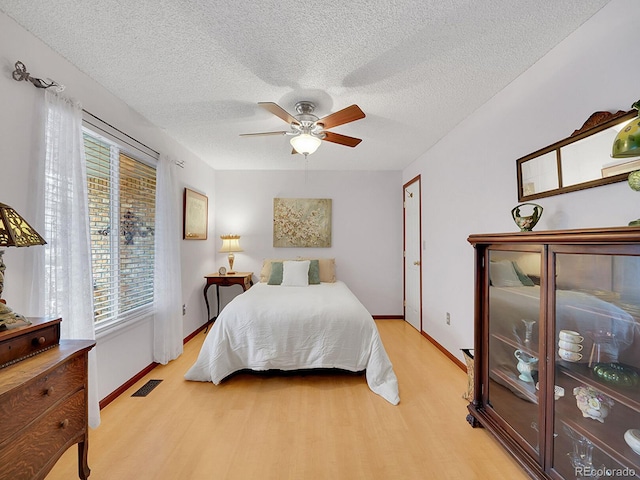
<point x="302" y="222"/>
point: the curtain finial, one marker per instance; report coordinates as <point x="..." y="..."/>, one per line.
<point x="20" y="73"/>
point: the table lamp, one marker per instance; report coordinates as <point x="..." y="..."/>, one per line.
<point x="14" y="232"/>
<point x="230" y="244"/>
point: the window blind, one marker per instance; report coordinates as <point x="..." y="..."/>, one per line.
<point x="121" y="192"/>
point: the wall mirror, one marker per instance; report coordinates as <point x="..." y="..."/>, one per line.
<point x="582" y="160"/>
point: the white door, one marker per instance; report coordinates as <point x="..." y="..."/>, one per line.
<point x="412" y="255"/>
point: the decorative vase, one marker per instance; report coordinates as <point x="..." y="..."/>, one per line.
<point x="632" y="437"/>
<point x="634" y="184"/>
<point x="526" y="365"/>
<point x="592" y="403"/>
<point x="526" y="223"/>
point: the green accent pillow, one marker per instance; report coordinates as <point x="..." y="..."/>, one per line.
<point x="276" y="274"/>
<point x="524" y="278"/>
<point x="314" y="272"/>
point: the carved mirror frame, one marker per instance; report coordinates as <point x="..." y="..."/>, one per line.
<point x="550" y="159"/>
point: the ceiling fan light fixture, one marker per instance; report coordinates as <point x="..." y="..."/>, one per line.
<point x="305" y="144"/>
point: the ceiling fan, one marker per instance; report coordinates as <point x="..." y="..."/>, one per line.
<point x="307" y="130"/>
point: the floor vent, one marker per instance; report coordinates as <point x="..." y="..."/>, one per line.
<point x="146" y="388"/>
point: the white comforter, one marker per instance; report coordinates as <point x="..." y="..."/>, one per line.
<point x="291" y="328"/>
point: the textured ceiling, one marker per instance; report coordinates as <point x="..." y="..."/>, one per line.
<point x="198" y="68"/>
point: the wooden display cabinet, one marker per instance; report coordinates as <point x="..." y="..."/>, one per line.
<point x="560" y="403"/>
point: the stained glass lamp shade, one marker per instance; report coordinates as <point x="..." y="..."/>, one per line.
<point x="14" y="232"/>
<point x="627" y="142"/>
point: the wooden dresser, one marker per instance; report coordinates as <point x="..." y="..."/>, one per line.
<point x="43" y="400"/>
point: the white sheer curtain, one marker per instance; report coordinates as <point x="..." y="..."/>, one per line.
<point x="167" y="330"/>
<point x="64" y="264"/>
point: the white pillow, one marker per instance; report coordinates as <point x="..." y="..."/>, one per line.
<point x="295" y="273"/>
<point x="502" y="274"/>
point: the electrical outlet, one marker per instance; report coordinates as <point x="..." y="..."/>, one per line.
<point x="448" y="318"/>
<point x="184" y="309"/>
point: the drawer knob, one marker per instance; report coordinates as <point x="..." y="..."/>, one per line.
<point x="38" y="341"/>
<point x="64" y="423"/>
<point x="49" y="391"/>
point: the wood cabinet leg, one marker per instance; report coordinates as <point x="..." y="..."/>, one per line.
<point x="83" y="465"/>
<point x="473" y="421"/>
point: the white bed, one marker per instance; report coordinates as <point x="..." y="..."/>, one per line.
<point x="292" y="328"/>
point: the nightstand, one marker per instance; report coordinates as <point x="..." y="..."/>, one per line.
<point x="244" y="279"/>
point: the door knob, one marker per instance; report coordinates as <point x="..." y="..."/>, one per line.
<point x="417" y="262"/>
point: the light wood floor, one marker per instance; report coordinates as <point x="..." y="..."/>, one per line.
<point x="303" y="427"/>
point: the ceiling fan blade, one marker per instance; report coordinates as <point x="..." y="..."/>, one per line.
<point x="341" y="139"/>
<point x="346" y="115"/>
<point x="278" y="111"/>
<point x="283" y="132"/>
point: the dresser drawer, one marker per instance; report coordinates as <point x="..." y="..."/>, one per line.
<point x="38" y="395"/>
<point x="40" y="444"/>
<point x="18" y="347"/>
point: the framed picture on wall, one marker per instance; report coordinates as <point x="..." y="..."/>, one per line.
<point x="302" y="222"/>
<point x="195" y="215"/>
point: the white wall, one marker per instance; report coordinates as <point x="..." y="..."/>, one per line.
<point x="472" y="188"/>
<point x="124" y="353"/>
<point x="366" y="226"/>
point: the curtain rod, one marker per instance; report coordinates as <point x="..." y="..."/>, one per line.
<point x="21" y="74"/>
<point x="120" y="131"/>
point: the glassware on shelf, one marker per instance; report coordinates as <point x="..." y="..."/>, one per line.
<point x="528" y="333"/>
<point x="581" y="456"/>
<point x="609" y="342"/>
<point x="534" y="425"/>
<point x="605" y="348"/>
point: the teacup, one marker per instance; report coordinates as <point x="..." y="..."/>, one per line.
<point x="570" y="336"/>
<point x="569" y="356"/>
<point x="570" y="346"/>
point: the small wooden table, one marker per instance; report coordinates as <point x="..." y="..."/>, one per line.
<point x="244" y="279"/>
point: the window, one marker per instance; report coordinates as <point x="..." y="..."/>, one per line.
<point x="122" y="191"/>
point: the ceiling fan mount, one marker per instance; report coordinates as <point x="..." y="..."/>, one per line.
<point x="307" y="121"/>
<point x="305" y="107"/>
<point x="307" y="130"/>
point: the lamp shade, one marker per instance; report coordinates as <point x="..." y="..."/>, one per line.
<point x="15" y="231"/>
<point x="627" y="142"/>
<point x="230" y="243"/>
<point x="305" y="143"/>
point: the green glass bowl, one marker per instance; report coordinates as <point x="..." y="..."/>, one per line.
<point x="617" y="374"/>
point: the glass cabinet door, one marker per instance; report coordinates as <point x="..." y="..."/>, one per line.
<point x="597" y="365"/>
<point x="514" y="336"/>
